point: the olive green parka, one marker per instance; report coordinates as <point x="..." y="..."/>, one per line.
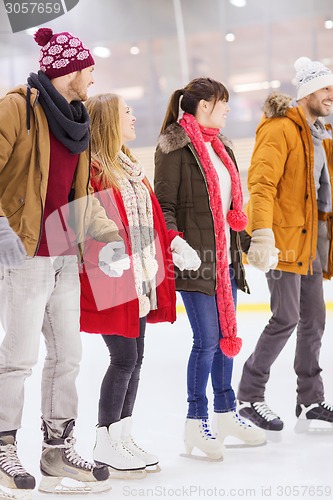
<point x="181" y="189"/>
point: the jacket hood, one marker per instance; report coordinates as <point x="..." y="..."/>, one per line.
<point x="19" y="89"/>
<point x="23" y="90"/>
<point x="282" y="106"/>
<point x="31" y="97"/>
<point x="276" y="105"/>
<point x="174" y="137"/>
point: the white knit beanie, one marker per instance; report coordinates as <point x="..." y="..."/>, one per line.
<point x="311" y="76"/>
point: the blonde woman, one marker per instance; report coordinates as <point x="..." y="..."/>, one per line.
<point x="119" y="305"/>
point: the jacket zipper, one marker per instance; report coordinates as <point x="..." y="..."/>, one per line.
<point x="41" y="177"/>
<point x="312" y="205"/>
<point x="210" y="208"/>
<point x="239" y="248"/>
<point x="81" y="250"/>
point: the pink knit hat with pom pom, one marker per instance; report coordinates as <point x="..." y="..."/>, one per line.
<point x="61" y="53"/>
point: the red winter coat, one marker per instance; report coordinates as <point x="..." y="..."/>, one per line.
<point x="110" y="305"/>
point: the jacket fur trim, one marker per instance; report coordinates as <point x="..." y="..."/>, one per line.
<point x="174" y="137"/>
<point x="276" y="105"/>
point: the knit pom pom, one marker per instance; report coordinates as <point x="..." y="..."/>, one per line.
<point x="150" y="268"/>
<point x="43" y="35"/>
<point x="300" y="62"/>
<point x="144" y="306"/>
<point x="230" y="346"/>
<point x="237" y="220"/>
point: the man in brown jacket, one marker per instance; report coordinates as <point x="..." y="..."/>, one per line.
<point x="290" y="188"/>
<point x="44" y="168"/>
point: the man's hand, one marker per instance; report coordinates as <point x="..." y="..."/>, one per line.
<point x="262" y="253"/>
<point x="12" y="251"/>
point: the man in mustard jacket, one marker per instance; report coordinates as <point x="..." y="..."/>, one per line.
<point x="44" y="169"/>
<point x="290" y="190"/>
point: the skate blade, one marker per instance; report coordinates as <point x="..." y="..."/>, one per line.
<point x="231" y="442"/>
<point x="274" y="436"/>
<point x="153" y="469"/>
<point x="56" y="485"/>
<point x="127" y="474"/>
<point x="245" y="445"/>
<point x="311" y="427"/>
<point x="13" y="494"/>
<point x="204" y="458"/>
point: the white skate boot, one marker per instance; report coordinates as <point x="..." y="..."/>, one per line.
<point x="110" y="450"/>
<point x="15" y="482"/>
<point x="198" y="435"/>
<point x="149" y="459"/>
<point x="60" y="460"/>
<point x="229" y="424"/>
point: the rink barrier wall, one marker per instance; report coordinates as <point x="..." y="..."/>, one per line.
<point x="250" y="308"/>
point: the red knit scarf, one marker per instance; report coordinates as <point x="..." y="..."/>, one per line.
<point x="237" y="219"/>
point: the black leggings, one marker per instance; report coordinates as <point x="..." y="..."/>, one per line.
<point x="120" y="383"/>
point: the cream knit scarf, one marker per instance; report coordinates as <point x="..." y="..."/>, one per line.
<point x="139" y="213"/>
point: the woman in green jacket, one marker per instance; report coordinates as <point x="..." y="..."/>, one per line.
<point x="198" y="186"/>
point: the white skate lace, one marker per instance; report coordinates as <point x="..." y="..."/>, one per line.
<point x="327" y="406"/>
<point x="71" y="453"/>
<point x="73" y="456"/>
<point x="133" y="443"/>
<point x="123" y="450"/>
<point x="9" y="461"/>
<point x="264" y="411"/>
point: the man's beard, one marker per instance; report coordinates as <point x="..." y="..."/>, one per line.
<point x="77" y="92"/>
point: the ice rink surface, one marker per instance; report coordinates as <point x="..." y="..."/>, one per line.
<point x="296" y="465"/>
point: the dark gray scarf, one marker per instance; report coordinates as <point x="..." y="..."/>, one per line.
<point x="69" y="122"/>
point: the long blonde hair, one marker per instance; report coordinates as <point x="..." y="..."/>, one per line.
<point x="105" y="132"/>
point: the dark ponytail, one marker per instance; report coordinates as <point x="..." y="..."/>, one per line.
<point x="172" y="111"/>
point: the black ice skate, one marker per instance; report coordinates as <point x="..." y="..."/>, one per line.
<point x="261" y="415"/>
<point x="309" y="415"/>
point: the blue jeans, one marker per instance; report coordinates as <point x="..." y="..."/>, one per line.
<point x="206" y="356"/>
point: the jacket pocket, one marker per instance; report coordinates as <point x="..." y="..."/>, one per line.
<point x="13" y="205"/>
<point x="290" y="240"/>
<point x="290" y="234"/>
<point x="288" y="218"/>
